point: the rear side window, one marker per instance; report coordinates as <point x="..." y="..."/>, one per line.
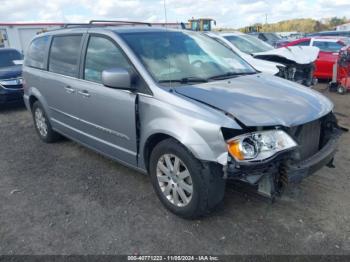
<point x="102" y="54"/>
<point x="304" y="43"/>
<point x="35" y="56"/>
<point x="328" y="46"/>
<point x="64" y="55"/>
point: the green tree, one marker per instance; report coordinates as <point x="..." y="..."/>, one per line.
<point x="334" y="21"/>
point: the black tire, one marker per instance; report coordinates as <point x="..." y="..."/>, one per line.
<point x="208" y="184"/>
<point x="51" y="136"/>
<point x="341" y="90"/>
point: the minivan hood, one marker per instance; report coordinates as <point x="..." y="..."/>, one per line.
<point x="298" y="54"/>
<point x="261" y="100"/>
<point x="10" y="72"/>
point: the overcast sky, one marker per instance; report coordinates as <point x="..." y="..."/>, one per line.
<point x="228" y="13"/>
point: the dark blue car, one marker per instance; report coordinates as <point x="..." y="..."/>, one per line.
<point x="11" y="89"/>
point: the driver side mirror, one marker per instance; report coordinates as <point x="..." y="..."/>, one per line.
<point x="118" y="78"/>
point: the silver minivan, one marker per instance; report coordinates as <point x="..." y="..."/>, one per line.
<point x="179" y="106"/>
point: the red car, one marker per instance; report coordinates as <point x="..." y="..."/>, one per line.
<point x="329" y="52"/>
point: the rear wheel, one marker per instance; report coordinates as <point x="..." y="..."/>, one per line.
<point x="42" y="124"/>
<point x="185" y="186"/>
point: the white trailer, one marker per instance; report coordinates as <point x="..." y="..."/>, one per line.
<point x="343" y="27"/>
<point x="19" y="35"/>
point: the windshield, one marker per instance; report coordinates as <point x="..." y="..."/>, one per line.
<point x="185" y="56"/>
<point x="248" y="44"/>
<point x="272" y="36"/>
<point x="7" y="57"/>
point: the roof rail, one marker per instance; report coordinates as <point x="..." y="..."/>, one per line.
<point x="102" y="23"/>
<point x="112" y="22"/>
<point x="74" y="24"/>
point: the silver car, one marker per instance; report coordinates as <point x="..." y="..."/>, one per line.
<point x="179" y="106"/>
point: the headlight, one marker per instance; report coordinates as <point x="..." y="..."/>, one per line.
<point x="281" y="71"/>
<point x="11" y="82"/>
<point x="259" y="145"/>
<point x="291" y="73"/>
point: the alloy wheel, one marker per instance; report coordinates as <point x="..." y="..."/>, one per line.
<point x="174" y="180"/>
<point x="40" y="122"/>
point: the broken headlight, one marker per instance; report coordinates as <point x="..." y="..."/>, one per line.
<point x="281" y="71"/>
<point x="291" y="72"/>
<point x="259" y="146"/>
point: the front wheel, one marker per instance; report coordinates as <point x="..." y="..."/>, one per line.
<point x="186" y="186"/>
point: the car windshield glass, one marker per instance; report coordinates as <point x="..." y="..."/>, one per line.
<point x="184" y="57"/>
<point x="248" y="44"/>
<point x="8" y="57"/>
<point x="272" y="36"/>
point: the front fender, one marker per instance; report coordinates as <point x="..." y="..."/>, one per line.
<point x="185" y="135"/>
<point x="195" y="127"/>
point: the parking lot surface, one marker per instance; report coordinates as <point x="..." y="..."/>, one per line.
<point x="65" y="199"/>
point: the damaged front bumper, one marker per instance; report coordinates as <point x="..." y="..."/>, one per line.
<point x="302" y="74"/>
<point x="297" y="171"/>
<point x="270" y="176"/>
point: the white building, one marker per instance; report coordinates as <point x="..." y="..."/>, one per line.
<point x="343" y="27"/>
<point x="19" y="35"/>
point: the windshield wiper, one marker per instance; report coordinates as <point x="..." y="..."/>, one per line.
<point x="185" y="80"/>
<point x="229" y="75"/>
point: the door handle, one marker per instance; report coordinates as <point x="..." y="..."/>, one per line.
<point x="69" y="89"/>
<point x="84" y="93"/>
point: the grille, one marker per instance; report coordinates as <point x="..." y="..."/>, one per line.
<point x="308" y="138"/>
<point x="13" y="86"/>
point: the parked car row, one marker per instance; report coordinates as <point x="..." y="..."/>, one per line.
<point x="331" y="33"/>
<point x="329" y="51"/>
<point x="295" y="64"/>
<point x="327" y="65"/>
<point x="277" y="41"/>
<point x="180" y="106"/>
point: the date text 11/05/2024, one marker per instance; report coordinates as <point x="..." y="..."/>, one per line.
<point x="173" y="258"/>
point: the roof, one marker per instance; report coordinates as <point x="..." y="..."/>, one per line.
<point x="63" y="24"/>
<point x="325" y="37"/>
<point x="116" y="29"/>
<point x="334" y="31"/>
<point x="138" y="29"/>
